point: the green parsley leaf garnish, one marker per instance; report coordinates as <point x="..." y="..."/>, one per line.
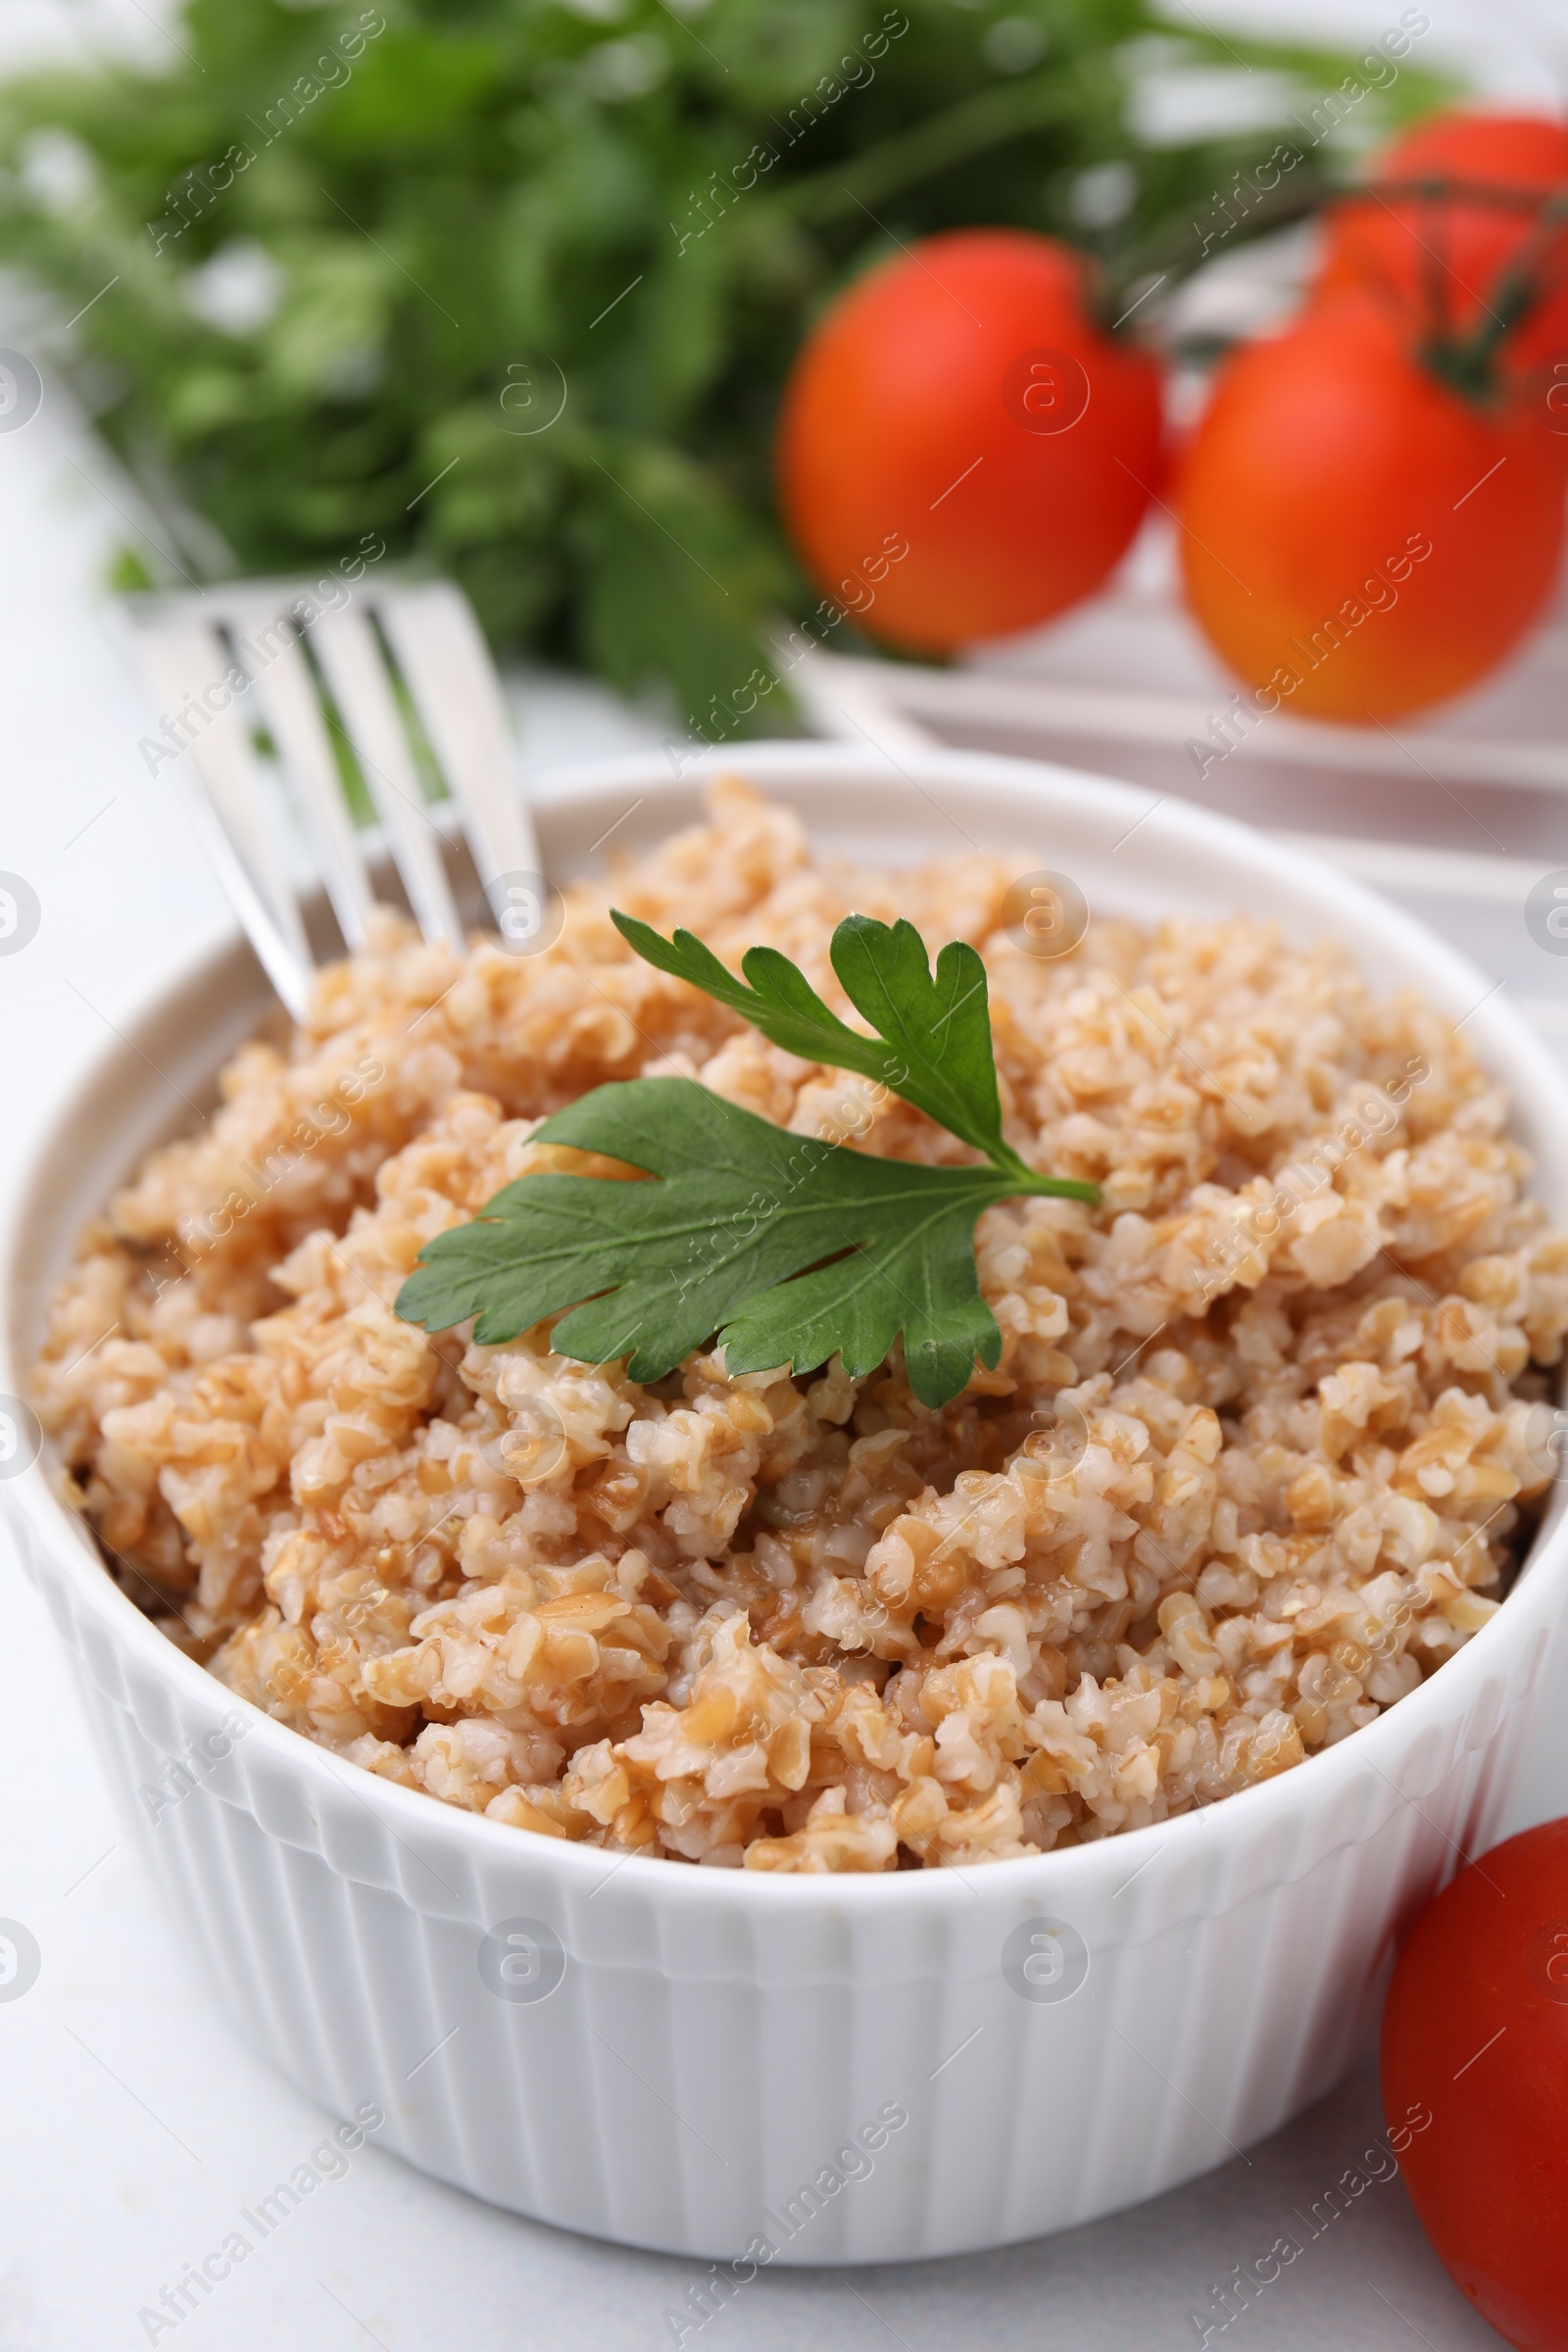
<point x="789" y="1249"/>
<point x="934" y="1041"/>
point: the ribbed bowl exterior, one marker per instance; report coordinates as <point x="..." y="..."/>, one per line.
<point x="836" y="2070"/>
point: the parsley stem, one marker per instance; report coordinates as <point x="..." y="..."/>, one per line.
<point x="1066" y="1188"/>
<point x="1008" y="1162"/>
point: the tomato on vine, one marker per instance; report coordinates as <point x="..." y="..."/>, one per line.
<point x="1464" y="214"/>
<point x="1362" y="536"/>
<point x="959" y="411"/>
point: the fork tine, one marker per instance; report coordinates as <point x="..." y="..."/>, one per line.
<point x="290" y="973"/>
<point x="433" y="647"/>
<point x="226" y="800"/>
<point x="356" y="675"/>
<point x="447" y="667"/>
<point x="294" y="713"/>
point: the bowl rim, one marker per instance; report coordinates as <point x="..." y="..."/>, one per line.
<point x="1061" y="1872"/>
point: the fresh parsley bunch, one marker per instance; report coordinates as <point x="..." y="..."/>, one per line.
<point x="789" y="1249"/>
<point x="326" y="279"/>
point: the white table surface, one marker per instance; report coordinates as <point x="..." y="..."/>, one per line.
<point x="133" y="2118"/>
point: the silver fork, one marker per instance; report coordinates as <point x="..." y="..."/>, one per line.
<point x="231" y="660"/>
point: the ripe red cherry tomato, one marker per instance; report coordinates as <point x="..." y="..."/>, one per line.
<point x="1358" y="539"/>
<point x="1443" y="256"/>
<point x="961" y="450"/>
<point x="1476" y="2037"/>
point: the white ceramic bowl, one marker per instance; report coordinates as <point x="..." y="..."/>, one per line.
<point x="695" y="2060"/>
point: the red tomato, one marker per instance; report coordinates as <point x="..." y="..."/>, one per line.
<point x="1475" y="2037"/>
<point x="961" y="450"/>
<point x="1356" y="538"/>
<point x="1442" y="256"/>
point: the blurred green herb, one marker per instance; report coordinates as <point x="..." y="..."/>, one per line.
<point x="515" y="282"/>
